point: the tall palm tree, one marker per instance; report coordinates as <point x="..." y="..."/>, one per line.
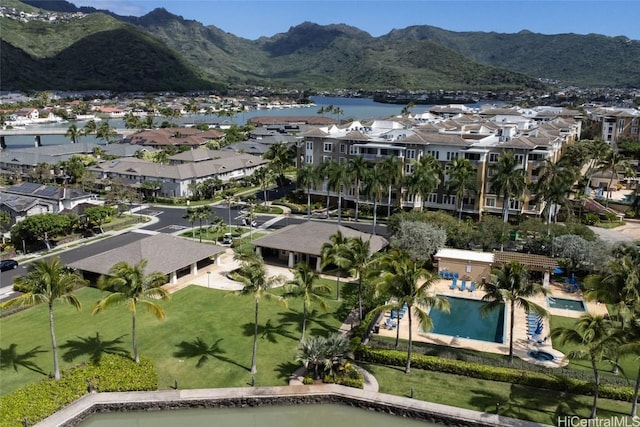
<point x="508" y="181"/>
<point x="304" y="286"/>
<point x="90" y="128"/>
<point x="229" y="199"/>
<point x="358" y="259"/>
<point x="597" y="341"/>
<point x="553" y="186"/>
<point x="335" y="252"/>
<point x="411" y="284"/>
<point x="307" y="177"/>
<point x="374" y="185"/>
<point x="264" y="177"/>
<point x="130" y="285"/>
<point x="192" y="217"/>
<point x="280" y="158"/>
<point x="615" y="164"/>
<point x="462" y="177"/>
<point x="73" y="133"/>
<point x="202" y="213"/>
<point x="424" y="179"/>
<point x="392" y="167"/>
<point x="357" y="168"/>
<point x="258" y="285"/>
<point x="105" y="132"/>
<point x="323" y="172"/>
<point x="631" y="346"/>
<point x="338" y="178"/>
<point x="513" y="287"/>
<point x="48" y="281"/>
<point x="597" y="150"/>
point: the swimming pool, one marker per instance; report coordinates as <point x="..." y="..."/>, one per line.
<point x="465" y="321"/>
<point x="566" y="304"/>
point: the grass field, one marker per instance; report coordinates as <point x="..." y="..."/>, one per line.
<point x="207" y="325"/>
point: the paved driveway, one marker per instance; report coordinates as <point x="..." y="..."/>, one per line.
<point x="630" y="232"/>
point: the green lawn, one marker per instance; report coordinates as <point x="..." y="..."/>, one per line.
<point x="628" y="365"/>
<point x="515" y="401"/>
<point x="196" y="317"/>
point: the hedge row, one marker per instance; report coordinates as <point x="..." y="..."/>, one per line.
<point x="36" y="401"/>
<point x="492" y="373"/>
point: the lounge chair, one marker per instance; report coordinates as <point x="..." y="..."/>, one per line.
<point x="463" y="285"/>
<point x="453" y="285"/>
<point x="472" y="287"/>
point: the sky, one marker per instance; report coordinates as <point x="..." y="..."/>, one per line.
<point x="253" y="19"/>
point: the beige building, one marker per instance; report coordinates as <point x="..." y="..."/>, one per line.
<point x="481" y="136"/>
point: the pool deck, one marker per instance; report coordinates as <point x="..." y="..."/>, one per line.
<point x="522" y="344"/>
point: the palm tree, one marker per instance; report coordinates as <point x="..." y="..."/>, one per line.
<point x="46" y="282"/>
<point x="337" y="178"/>
<point x="512" y="286"/>
<point x="304" y="286"/>
<point x="335" y="252"/>
<point x="313" y="355"/>
<point x="89" y="128"/>
<point x="358" y="258"/>
<point x="105" y="132"/>
<point x="229" y="200"/>
<point x="357" y="168"/>
<point x="596" y="340"/>
<point x="264" y="177"/>
<point x="553" y="186"/>
<point x="256" y="283"/>
<point x="307" y="177"/>
<point x="392" y="168"/>
<point x="280" y="158"/>
<point x="73" y="133"/>
<point x="597" y="150"/>
<point x="462" y="177"/>
<point x="424" y="179"/>
<point x="614" y="163"/>
<point x="631" y="346"/>
<point x="217" y="223"/>
<point x="192" y="217"/>
<point x="508" y="181"/>
<point x="202" y="213"/>
<point x="410" y="284"/>
<point x="374" y="184"/>
<point x="133" y="287"/>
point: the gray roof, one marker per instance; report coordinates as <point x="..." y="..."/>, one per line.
<point x="308" y="238"/>
<point x="164" y="253"/>
<point x="49" y="192"/>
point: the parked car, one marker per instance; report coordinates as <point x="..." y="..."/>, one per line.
<point x="245" y="222"/>
<point x="227" y="239"/>
<point x="8" y="264"/>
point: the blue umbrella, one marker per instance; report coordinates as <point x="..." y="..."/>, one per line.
<point x="558" y="270"/>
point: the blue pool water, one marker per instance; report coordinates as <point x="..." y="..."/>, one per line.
<point x="566" y="304"/>
<point x="465" y="321"/>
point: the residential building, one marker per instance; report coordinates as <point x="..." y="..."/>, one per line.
<point x="184" y="170"/>
<point x="479" y="136"/>
<point x="616" y="124"/>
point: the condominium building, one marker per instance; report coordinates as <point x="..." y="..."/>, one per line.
<point x="481" y="136"/>
<point x="616" y="124"/>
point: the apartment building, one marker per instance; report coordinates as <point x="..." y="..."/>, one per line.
<point x="616" y="124"/>
<point x="479" y="136"/>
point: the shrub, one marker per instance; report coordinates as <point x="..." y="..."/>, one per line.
<point x="492" y="373"/>
<point x="37" y="401"/>
<point x="590" y="218"/>
<point x="307" y="380"/>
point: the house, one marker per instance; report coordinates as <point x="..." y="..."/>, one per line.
<point x="303" y="242"/>
<point x="164" y="137"/>
<point x="170" y="255"/>
<point x="185" y="170"/>
<point x="29" y="198"/>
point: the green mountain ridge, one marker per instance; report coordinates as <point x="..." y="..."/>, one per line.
<point x="307" y="56"/>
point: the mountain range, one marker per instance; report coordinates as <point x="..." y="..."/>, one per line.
<point x="164" y="52"/>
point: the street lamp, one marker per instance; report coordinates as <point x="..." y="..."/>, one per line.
<point x="208" y="279"/>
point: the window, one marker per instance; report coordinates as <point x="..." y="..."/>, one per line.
<point x="310" y="145"/>
<point x="435" y="154"/>
<point x="408" y="168"/>
<point x="621" y="123"/>
<point x="308" y="160"/>
<point x="328" y="147"/>
<point x="342" y="160"/>
<point x="449" y="200"/>
<point x="519" y="158"/>
<point x="353" y="150"/>
<point x="634" y="131"/>
<point x="474" y="157"/>
<point x="514" y="204"/>
<point x="467" y="269"/>
<point x="325" y="159"/>
<point x="490" y="202"/>
<point x="452" y="155"/>
<point x="432" y="198"/>
<point x="493" y="157"/>
<point x="635" y="122"/>
<point x="411" y="154"/>
<point x="342" y="148"/>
